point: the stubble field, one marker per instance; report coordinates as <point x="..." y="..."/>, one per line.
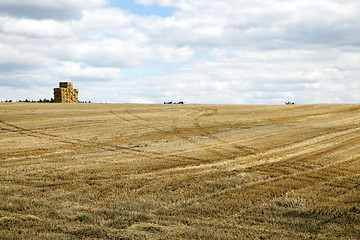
<point x="132" y="171"/>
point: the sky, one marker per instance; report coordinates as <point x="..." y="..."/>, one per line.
<point x="196" y="51"/>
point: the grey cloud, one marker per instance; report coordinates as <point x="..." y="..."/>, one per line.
<point x="233" y="51"/>
<point x="39" y="12"/>
<point x="48" y="9"/>
<point x="259" y="25"/>
<point x="10" y="68"/>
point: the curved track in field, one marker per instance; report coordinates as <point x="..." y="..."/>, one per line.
<point x="181" y="172"/>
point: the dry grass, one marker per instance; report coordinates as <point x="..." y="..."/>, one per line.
<point x="127" y="171"/>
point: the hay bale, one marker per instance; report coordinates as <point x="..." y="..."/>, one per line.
<point x="66" y="93"/>
<point x="68" y="85"/>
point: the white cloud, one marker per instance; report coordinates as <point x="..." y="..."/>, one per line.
<point x="120" y="53"/>
<point x="72" y="70"/>
<point x="12" y="59"/>
<point x="104" y="21"/>
<point x="232" y="51"/>
<point x="35" y="28"/>
<point x="259" y="24"/>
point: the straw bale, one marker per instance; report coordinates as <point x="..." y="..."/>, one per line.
<point x="68" y="85"/>
<point x="66" y="93"/>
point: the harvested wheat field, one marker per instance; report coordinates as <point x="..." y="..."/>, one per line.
<point x="132" y="171"/>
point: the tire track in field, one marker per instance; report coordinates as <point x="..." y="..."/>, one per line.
<point x="37" y="134"/>
<point x="260" y="158"/>
<point x="275" y="155"/>
<point x="149" y="124"/>
<point x="307" y="154"/>
<point x="41" y="135"/>
<point x="61" y="139"/>
<point x="221" y="142"/>
<point x="274" y="187"/>
<point x="74" y="143"/>
<point x="347" y="143"/>
<point x="139" y="152"/>
<point x="184" y="136"/>
<point x="177" y="132"/>
<point x="139" y="126"/>
<point x="271" y="156"/>
<point x="145" y="123"/>
<point x="77" y="144"/>
<point x="214" y="152"/>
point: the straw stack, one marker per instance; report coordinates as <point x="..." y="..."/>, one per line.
<point x="66" y="93"/>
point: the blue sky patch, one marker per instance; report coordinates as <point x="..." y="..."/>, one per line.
<point x="139" y="9"/>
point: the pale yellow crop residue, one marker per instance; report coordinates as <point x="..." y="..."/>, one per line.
<point x="144" y="171"/>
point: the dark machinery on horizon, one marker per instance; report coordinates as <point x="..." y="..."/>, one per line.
<point x="181" y="102"/>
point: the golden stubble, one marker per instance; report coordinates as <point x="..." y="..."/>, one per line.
<point x="137" y="171"/>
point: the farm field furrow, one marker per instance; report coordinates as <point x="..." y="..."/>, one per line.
<point x="147" y="171"/>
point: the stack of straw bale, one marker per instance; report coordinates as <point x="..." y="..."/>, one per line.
<point x="66" y="93"/>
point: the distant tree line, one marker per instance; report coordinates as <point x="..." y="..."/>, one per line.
<point x="45" y="100"/>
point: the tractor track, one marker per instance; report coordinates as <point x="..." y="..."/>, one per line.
<point x="214" y="150"/>
<point x="80" y="145"/>
<point x="326" y="146"/>
<point x="267" y="172"/>
<point x="145" y="123"/>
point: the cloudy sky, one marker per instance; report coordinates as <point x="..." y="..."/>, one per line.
<point x="197" y="51"/>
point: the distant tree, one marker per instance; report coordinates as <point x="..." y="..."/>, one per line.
<point x="289" y="103"/>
